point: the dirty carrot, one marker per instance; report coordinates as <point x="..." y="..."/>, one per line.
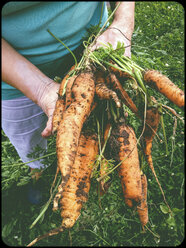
<point x="113" y="80"/>
<point x="64" y="81"/>
<point x="73" y="119"/>
<point x="151" y="127"/>
<point x="68" y="96"/>
<point x="58" y="113"/>
<point x="142" y="208"/>
<point x="57" y="197"/>
<point x="60" y="103"/>
<point x="124" y="144"/>
<point x="165" y="86"/>
<point x="76" y="190"/>
<point x="102" y="91"/>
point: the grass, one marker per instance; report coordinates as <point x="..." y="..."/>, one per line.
<point x="158" y="43"/>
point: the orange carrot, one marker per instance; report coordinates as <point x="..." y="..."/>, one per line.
<point x="76" y="190"/>
<point x="58" y="113"/>
<point x="113" y="80"/>
<point x="151" y="127"/>
<point x="60" y="104"/>
<point x="142" y="208"/>
<point x="165" y="86"/>
<point x="125" y="148"/>
<point x="72" y="122"/>
<point x="63" y="83"/>
<point x="102" y="91"/>
<point x="68" y="91"/>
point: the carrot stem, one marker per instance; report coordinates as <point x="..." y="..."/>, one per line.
<point x="75" y="60"/>
<point x="44" y="156"/>
<point x="164" y="133"/>
<point x="138" y="77"/>
<point x="45" y="206"/>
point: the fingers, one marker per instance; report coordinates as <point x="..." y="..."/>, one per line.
<point x="99" y="43"/>
<point x="112" y="36"/>
<point x="47" y="132"/>
<point x="128" y="52"/>
<point x="48" y="103"/>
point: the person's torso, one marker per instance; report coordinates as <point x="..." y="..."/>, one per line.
<point x="25" y="25"/>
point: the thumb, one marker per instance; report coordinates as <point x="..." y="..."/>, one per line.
<point x="48" y="129"/>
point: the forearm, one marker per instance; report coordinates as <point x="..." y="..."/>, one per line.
<point x="18" y="72"/>
<point x="124" y="18"/>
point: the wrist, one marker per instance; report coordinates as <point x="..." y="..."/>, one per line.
<point x="23" y="75"/>
<point x="45" y="88"/>
<point x="125" y="37"/>
<point x="125" y="31"/>
<point x="124" y="18"/>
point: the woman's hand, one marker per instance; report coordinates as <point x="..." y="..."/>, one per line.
<point x="112" y="35"/>
<point x="47" y="100"/>
<point x="27" y="78"/>
<point x="121" y="28"/>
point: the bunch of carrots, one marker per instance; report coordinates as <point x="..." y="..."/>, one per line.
<point x="92" y="129"/>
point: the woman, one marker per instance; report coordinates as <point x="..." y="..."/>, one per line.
<point x="31" y="58"/>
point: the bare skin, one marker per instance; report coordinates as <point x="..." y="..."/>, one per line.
<point x="27" y="78"/>
<point x="121" y="28"/>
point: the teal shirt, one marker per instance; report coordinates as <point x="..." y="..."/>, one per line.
<point x="25" y="24"/>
